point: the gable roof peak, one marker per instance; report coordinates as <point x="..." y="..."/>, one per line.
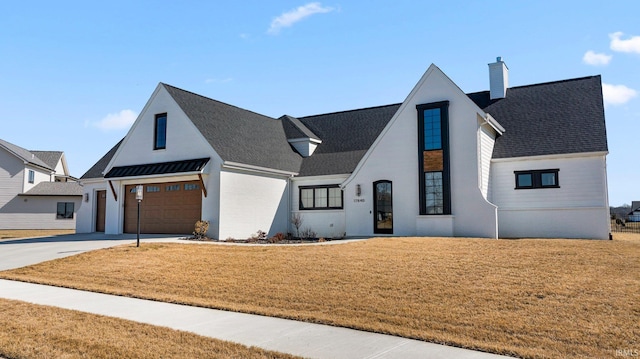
<point x="24" y="154"/>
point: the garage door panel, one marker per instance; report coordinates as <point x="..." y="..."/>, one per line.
<point x="170" y="209"/>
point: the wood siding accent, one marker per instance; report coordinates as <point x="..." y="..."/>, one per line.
<point x="113" y="191"/>
<point x="432" y="160"/>
<point x="101" y="210"/>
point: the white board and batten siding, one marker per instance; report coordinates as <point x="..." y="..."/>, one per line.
<point x="326" y="223"/>
<point x="579" y="208"/>
<point x="486" y="141"/>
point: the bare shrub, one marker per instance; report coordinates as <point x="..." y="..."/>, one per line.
<point x="307" y="233"/>
<point x="297" y="220"/>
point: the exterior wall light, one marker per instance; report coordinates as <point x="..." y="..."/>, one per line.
<point x="358" y="190"/>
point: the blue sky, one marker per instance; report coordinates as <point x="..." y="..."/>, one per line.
<point x="75" y="74"/>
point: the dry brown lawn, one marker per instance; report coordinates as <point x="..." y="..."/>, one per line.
<point x="532" y="298"/>
<point x="35" y="331"/>
<point x="28" y="233"/>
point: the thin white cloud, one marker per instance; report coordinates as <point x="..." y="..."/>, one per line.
<point x="629" y="45"/>
<point x="289" y="18"/>
<point x="617" y="94"/>
<point x="596" y="59"/>
<point x="117" y="121"/>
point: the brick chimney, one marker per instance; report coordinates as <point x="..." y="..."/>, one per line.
<point x="498" y="79"/>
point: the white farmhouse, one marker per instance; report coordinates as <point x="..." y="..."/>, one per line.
<point x="36" y="190"/>
<point x="526" y="161"/>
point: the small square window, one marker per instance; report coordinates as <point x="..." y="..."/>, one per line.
<point x="153" y="189"/>
<point x="548" y="179"/>
<point x="524" y="180"/>
<point x="65" y="210"/>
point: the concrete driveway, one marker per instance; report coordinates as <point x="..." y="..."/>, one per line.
<point x="16" y="253"/>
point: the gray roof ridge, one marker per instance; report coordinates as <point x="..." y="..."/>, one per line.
<point x="306" y="131"/>
<point x="54" y="189"/>
<point x="24" y="154"/>
<point x="214" y="100"/>
<point x="346" y="111"/>
<point x="538" y="84"/>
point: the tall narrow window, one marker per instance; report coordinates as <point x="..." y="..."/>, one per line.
<point x="433" y="147"/>
<point x="32" y="176"/>
<point x="160" y="132"/>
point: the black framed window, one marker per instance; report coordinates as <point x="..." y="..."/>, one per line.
<point x="160" y="132"/>
<point x="32" y="176"/>
<point x="433" y="154"/>
<point x="65" y="210"/>
<point x="537" y="179"/>
<point x="320" y="197"/>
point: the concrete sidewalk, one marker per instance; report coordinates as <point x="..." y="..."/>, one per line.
<point x="287" y="336"/>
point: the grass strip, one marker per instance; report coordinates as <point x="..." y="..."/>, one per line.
<point x="36" y="331"/>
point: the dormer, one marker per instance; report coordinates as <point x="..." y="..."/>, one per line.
<point x="303" y="140"/>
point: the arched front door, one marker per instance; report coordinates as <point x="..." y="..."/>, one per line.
<point x="382" y="207"/>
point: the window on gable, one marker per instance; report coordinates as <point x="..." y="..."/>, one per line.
<point x="321" y="197"/>
<point x="160" y="132"/>
<point x="32" y="176"/>
<point x="65" y="210"/>
<point x="537" y="179"/>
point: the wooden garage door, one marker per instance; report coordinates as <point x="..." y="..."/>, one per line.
<point x="170" y="207"/>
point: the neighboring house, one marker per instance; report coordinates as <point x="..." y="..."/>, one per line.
<point x="634" y="215"/>
<point x="526" y="161"/>
<point x="36" y="190"/>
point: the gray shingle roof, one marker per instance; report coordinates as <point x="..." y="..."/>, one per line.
<point x="549" y="118"/>
<point x="635" y="206"/>
<point x="293" y="128"/>
<point x="543" y="119"/>
<point x="346" y="136"/>
<point x="96" y="170"/>
<point x="51" y="158"/>
<point x="24" y="154"/>
<point x="55" y="189"/>
<point x="238" y="135"/>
